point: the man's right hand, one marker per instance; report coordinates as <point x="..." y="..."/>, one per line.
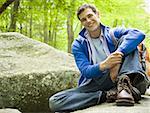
<point x="112" y="60"/>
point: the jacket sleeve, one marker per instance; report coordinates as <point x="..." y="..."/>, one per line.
<point x="87" y="69"/>
<point x="131" y="39"/>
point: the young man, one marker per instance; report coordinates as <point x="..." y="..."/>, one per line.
<point x="109" y="64"/>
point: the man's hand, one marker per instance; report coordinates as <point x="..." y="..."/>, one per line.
<point x="112" y="60"/>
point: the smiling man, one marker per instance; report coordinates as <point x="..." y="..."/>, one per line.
<point x="109" y="64"/>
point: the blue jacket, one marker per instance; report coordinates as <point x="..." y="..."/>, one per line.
<point x="80" y="50"/>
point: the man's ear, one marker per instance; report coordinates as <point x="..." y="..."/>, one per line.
<point x="98" y="15"/>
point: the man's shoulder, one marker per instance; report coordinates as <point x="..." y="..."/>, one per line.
<point x="78" y="40"/>
<point x="81" y="36"/>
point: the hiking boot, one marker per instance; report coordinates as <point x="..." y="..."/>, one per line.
<point x="124" y="94"/>
<point x="111" y="95"/>
<point x="136" y="94"/>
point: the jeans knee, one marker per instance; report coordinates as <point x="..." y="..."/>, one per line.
<point x="52" y="103"/>
<point x="58" y="101"/>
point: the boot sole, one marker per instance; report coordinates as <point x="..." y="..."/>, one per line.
<point x="124" y="102"/>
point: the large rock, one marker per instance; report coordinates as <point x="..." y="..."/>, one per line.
<point x="8" y="110"/>
<point x="31" y="71"/>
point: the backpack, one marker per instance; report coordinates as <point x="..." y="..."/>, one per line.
<point x="142" y="55"/>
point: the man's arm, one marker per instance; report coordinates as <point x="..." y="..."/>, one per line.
<point x="131" y="39"/>
<point x="87" y="69"/>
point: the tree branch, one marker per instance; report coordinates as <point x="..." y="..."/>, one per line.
<point x="5" y="5"/>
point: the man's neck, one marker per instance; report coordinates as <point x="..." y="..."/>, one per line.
<point x="96" y="33"/>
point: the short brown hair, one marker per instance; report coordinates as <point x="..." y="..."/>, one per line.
<point x="85" y="6"/>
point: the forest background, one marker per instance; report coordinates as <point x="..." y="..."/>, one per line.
<point x="54" y="21"/>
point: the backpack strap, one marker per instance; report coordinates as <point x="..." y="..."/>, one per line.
<point x="142" y="53"/>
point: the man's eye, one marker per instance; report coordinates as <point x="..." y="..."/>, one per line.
<point x="89" y="16"/>
<point x="83" y="19"/>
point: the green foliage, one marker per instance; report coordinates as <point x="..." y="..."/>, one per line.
<point x="128" y="13"/>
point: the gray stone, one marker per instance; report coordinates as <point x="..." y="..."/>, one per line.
<point x="9" y="111"/>
<point x="31" y="71"/>
<point x="142" y="107"/>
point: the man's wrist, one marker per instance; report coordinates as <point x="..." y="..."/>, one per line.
<point x="102" y="66"/>
<point x="121" y="53"/>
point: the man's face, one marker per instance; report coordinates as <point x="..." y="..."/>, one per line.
<point x="90" y="20"/>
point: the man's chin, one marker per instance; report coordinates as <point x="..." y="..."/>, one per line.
<point x="93" y="29"/>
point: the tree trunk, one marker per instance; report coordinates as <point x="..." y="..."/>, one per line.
<point x="55" y="39"/>
<point x="70" y="25"/>
<point x="50" y="25"/>
<point x="70" y="32"/>
<point x="50" y="31"/>
<point x="26" y="29"/>
<point x="14" y="14"/>
<point x="20" y="28"/>
<point x="31" y="14"/>
<point x="30" y="29"/>
<point x="54" y="34"/>
<point x="45" y="22"/>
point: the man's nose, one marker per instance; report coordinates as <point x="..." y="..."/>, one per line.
<point x="88" y="20"/>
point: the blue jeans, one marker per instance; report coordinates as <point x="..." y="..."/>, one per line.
<point x="94" y="92"/>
